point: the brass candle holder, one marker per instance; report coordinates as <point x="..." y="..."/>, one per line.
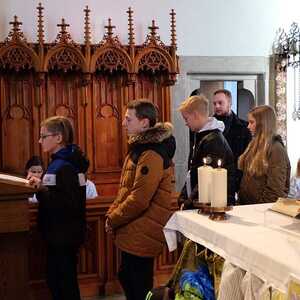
<point x="203" y="208"/>
<point x="219" y="213"/>
<point x="214" y="213"/>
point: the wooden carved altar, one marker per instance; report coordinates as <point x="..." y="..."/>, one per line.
<point x="91" y="85"/>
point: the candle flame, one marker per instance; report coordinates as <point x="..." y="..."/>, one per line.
<point x="219" y="163"/>
<point x="204" y="160"/>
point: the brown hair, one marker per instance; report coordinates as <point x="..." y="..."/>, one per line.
<point x="254" y="160"/>
<point x="298" y="168"/>
<point x="60" y="125"/>
<point x="197" y="103"/>
<point x="144" y="109"/>
<point x="225" y="92"/>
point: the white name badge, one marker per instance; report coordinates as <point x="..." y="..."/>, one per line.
<point x="81" y="179"/>
<point x="50" y="179"/>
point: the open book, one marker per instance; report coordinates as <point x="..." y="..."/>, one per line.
<point x="287" y="206"/>
<point x="6" y="178"/>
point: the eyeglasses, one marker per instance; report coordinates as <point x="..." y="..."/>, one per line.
<point x="43" y="136"/>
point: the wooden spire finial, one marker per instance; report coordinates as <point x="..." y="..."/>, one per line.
<point x="63" y="26"/>
<point x="173" y="28"/>
<point x="87" y="29"/>
<point x="153" y="29"/>
<point x="15" y="24"/>
<point x="15" y="33"/>
<point x="63" y="36"/>
<point x="40" y="24"/>
<point x="109" y="28"/>
<point x="130" y="27"/>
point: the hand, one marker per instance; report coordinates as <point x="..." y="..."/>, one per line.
<point x="34" y="181"/>
<point x="108" y="227"/>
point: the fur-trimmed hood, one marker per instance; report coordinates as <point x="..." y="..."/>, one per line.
<point x="158" y="138"/>
<point x="153" y="135"/>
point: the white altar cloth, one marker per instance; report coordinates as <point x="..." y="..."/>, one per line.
<point x="260" y="241"/>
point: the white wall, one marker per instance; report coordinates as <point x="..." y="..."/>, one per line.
<point x="204" y="27"/>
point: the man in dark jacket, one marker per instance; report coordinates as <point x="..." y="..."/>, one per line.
<point x="236" y="132"/>
<point x="210" y="143"/>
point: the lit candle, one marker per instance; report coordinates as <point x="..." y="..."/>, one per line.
<point x="219" y="184"/>
<point x="204" y="182"/>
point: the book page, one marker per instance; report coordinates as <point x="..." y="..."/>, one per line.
<point x="6" y="177"/>
<point x="287" y="206"/>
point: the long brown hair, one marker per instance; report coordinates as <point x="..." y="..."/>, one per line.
<point x="254" y="160"/>
<point x="298" y="168"/>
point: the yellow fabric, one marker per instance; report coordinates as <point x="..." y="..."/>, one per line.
<point x="294" y="290"/>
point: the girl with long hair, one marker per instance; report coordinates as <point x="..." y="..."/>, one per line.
<point x="265" y="163"/>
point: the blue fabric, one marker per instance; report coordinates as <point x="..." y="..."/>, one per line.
<point x="60" y="158"/>
<point x="199" y="280"/>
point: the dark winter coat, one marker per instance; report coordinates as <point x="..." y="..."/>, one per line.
<point x="61" y="213"/>
<point x="238" y="137"/>
<point x="143" y="204"/>
<point x="209" y="143"/>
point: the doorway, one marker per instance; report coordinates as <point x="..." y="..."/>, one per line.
<point x="244" y="90"/>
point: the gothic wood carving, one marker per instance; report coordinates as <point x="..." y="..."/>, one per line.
<point x="91" y="85"/>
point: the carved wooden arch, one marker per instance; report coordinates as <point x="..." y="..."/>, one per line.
<point x="118" y="60"/>
<point x="18" y="56"/>
<point x="75" y="58"/>
<point x="156" y="59"/>
<point x="16" y="111"/>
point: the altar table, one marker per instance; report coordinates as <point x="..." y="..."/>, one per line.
<point x="254" y="238"/>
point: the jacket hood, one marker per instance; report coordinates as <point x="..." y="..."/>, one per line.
<point x="73" y="154"/>
<point x="153" y="135"/>
<point x="212" y="124"/>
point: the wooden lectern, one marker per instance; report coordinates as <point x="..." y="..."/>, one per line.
<point x="14" y="231"/>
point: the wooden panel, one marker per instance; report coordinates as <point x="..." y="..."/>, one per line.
<point x="63" y="98"/>
<point x="13" y="266"/>
<point x="152" y="88"/>
<point x="14" y="216"/>
<point x="14" y="227"/>
<point x="107" y="102"/>
<point x="16" y="111"/>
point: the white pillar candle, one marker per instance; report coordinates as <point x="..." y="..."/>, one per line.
<point x="219" y="187"/>
<point x="204" y="183"/>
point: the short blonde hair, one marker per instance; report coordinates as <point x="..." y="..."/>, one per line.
<point x="197" y="103"/>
